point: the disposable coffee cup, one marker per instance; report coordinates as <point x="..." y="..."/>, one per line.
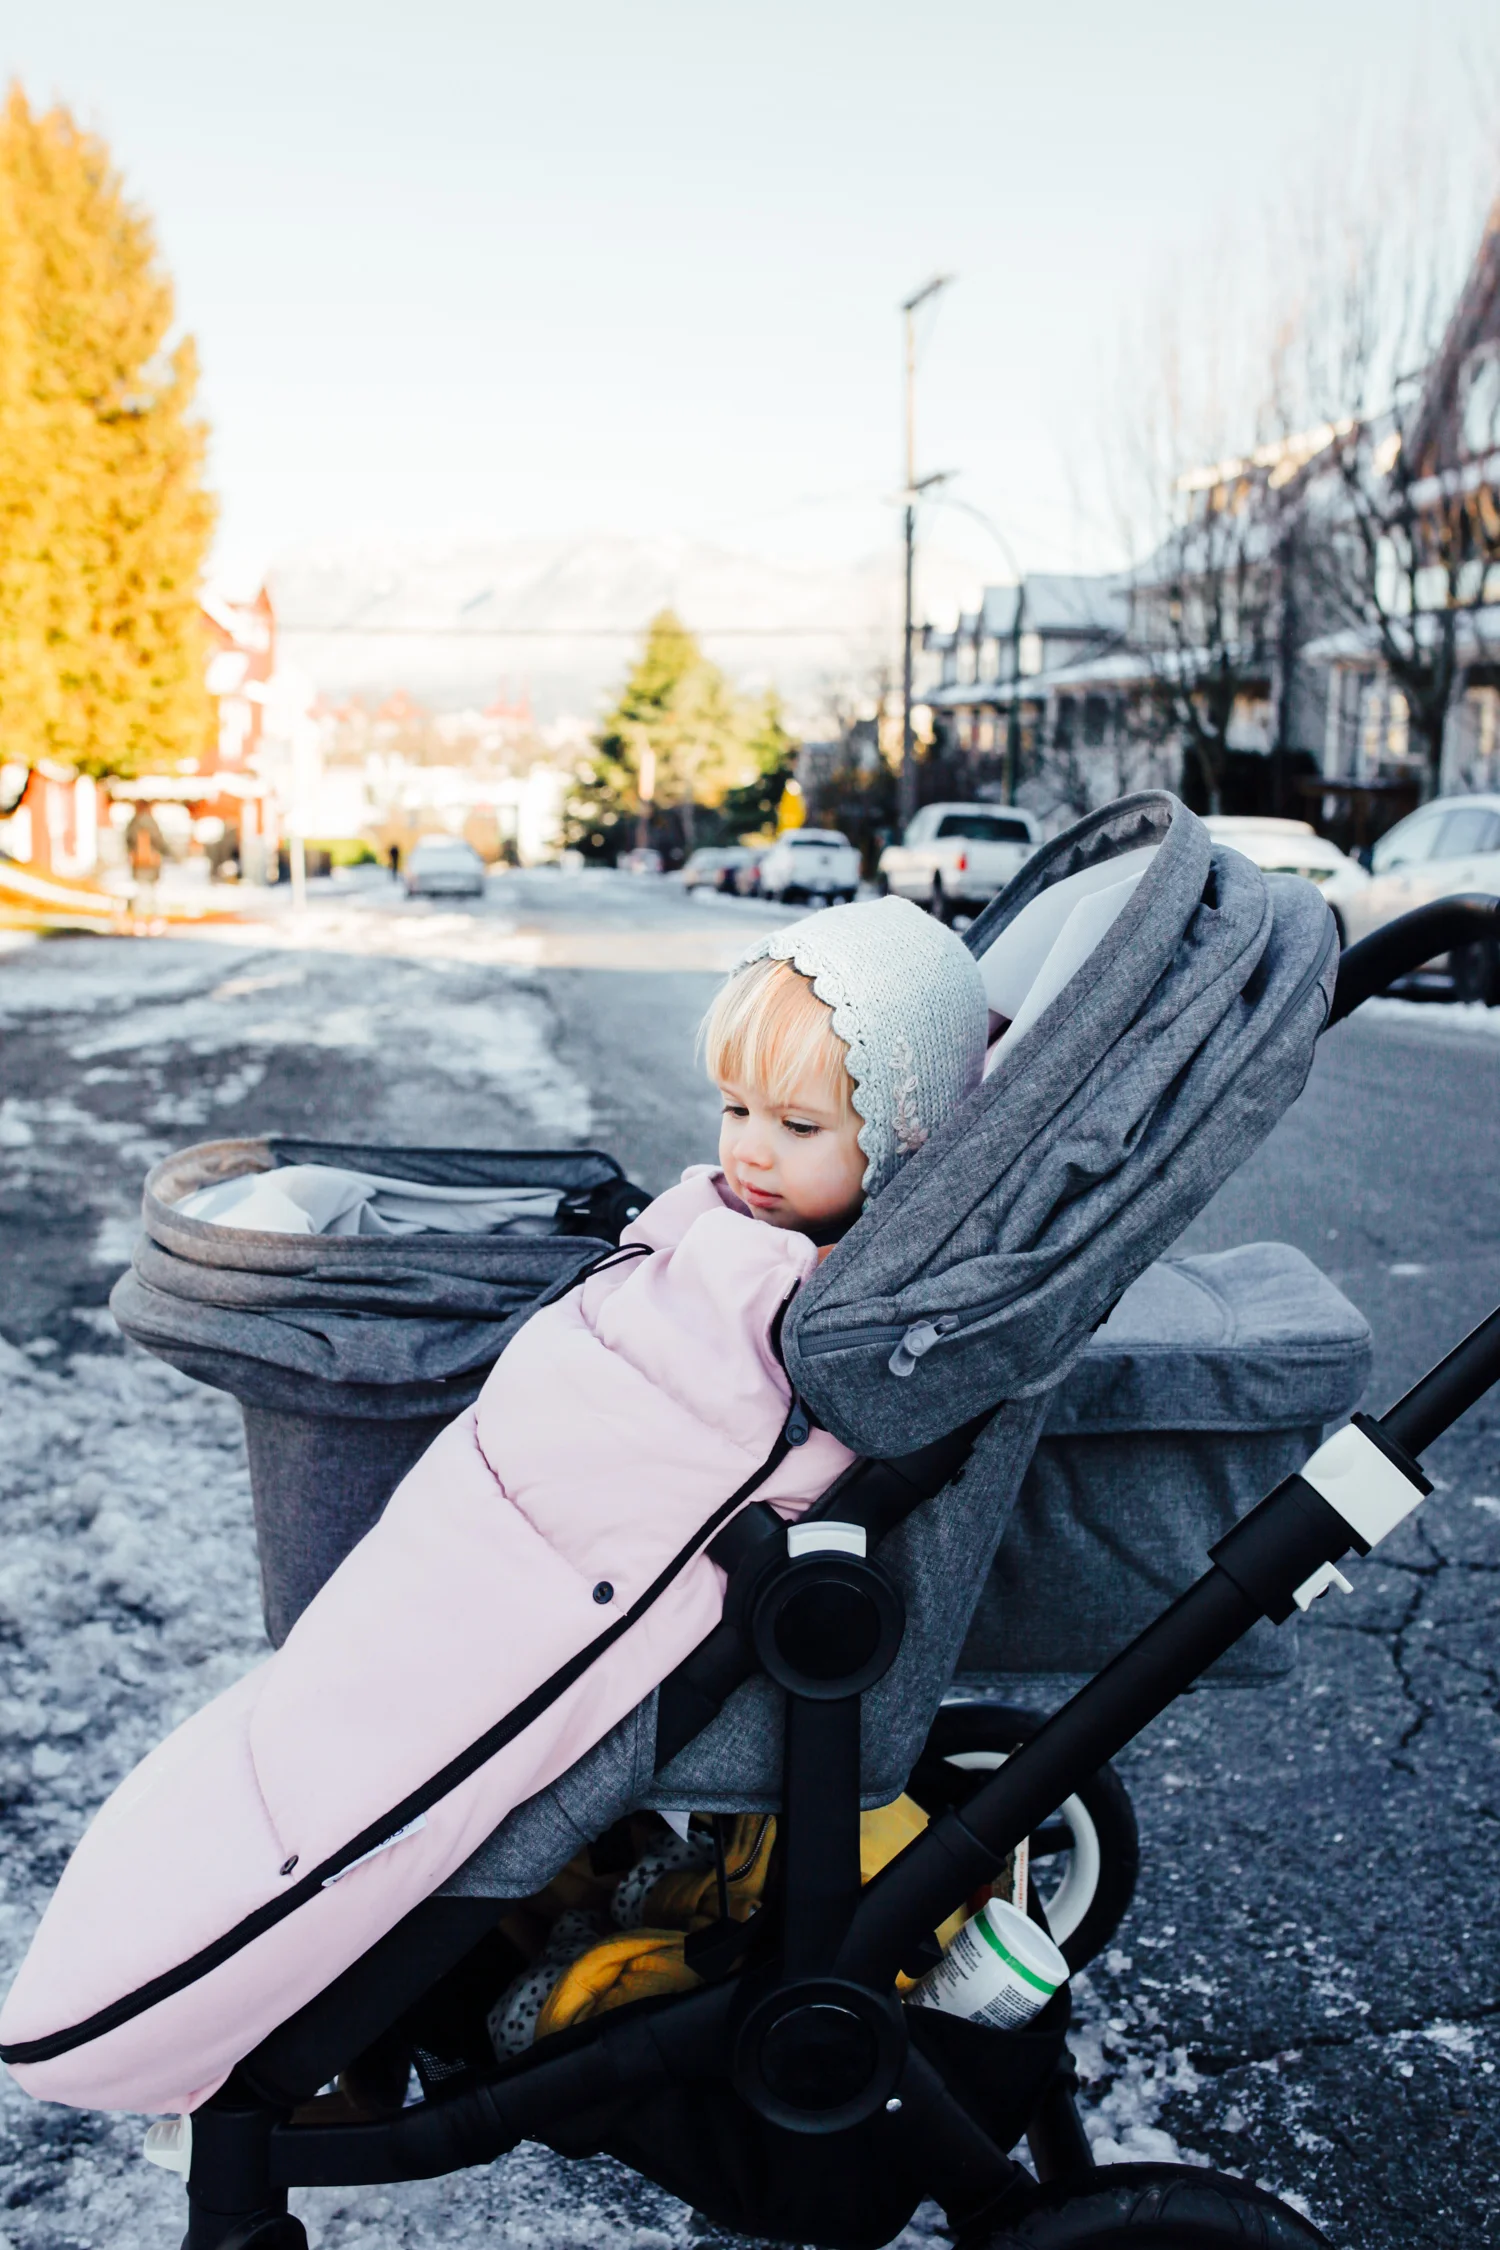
<point x="1000" y="1970"/>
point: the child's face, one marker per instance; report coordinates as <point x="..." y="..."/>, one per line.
<point x="797" y="1164"/>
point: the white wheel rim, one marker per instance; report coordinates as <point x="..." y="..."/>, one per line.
<point x="1075" y="1894"/>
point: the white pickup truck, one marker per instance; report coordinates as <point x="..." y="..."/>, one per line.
<point x="810" y="863"/>
<point x="954" y="858"/>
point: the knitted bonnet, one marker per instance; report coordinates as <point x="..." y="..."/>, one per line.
<point x="908" y="1002"/>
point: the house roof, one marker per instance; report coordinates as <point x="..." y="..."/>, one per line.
<point x="1058" y="602"/>
<point x="1476" y="631"/>
<point x="1475" y="317"/>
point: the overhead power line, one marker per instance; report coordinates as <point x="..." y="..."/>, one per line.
<point x="569" y="632"/>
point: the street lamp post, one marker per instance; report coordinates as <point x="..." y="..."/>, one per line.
<point x="913" y="491"/>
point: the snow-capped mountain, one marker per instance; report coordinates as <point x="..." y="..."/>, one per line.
<point x="563" y="618"/>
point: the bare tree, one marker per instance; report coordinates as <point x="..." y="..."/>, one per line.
<point x="1201" y="501"/>
<point x="1395" y="352"/>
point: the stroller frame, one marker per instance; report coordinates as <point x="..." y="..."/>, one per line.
<point x="795" y="2032"/>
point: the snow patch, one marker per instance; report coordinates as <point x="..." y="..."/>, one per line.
<point x="1469" y="1019"/>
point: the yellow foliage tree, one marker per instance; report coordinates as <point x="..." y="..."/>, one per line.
<point x="104" y="519"/>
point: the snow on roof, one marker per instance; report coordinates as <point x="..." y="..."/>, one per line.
<point x="1058" y="602"/>
<point x="1476" y="633"/>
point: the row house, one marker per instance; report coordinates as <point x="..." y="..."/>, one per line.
<point x="1256" y="617"/>
<point x="1038" y="681"/>
<point x="1445" y="444"/>
<point x="61" y="825"/>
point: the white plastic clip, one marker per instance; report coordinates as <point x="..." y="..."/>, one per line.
<point x="825" y="1539"/>
<point x="1327" y="1574"/>
<point x="169" y="2143"/>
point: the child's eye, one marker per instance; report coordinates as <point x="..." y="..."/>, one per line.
<point x="735" y="1109"/>
<point x="800" y="1127"/>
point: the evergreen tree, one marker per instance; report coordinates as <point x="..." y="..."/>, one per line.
<point x="104" y="521"/>
<point x="679" y="752"/>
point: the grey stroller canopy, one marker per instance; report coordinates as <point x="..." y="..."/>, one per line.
<point x="1165" y="996"/>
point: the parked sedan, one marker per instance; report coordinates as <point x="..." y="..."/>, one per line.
<point x="1294" y="847"/>
<point x="713" y="867"/>
<point x="954" y="858"/>
<point x="745" y="882"/>
<point x="1448" y="846"/>
<point x="810" y="863"/>
<point x="444" y="867"/>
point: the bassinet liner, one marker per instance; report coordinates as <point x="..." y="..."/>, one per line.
<point x="975" y="1279"/>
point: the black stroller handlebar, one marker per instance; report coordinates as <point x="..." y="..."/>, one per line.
<point x="1275" y="1556"/>
<point x="1403" y="945"/>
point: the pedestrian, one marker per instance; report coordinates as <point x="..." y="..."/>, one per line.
<point x="146" y="848"/>
<point x="393" y="855"/>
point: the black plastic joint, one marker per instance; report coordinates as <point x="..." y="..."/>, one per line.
<point x="1270" y="1552"/>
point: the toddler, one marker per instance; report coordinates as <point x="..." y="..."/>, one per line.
<point x="533" y="1578"/>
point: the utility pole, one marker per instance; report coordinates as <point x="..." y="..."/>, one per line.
<point x="912" y="493"/>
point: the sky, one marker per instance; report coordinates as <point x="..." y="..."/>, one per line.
<point x="476" y="269"/>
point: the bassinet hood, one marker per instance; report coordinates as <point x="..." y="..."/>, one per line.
<point x="1165" y="996"/>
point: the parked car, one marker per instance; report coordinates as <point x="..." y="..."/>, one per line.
<point x="1450" y="845"/>
<point x="641" y="861"/>
<point x="746" y="879"/>
<point x="954" y="858"/>
<point x="1294" y="847"/>
<point x="713" y="867"/>
<point x="810" y="863"/>
<point x="443" y="867"/>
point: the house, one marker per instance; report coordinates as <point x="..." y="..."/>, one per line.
<point x="1433" y="633"/>
<point x="61" y="824"/>
<point x="1031" y="659"/>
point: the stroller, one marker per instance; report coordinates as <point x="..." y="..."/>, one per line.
<point x="789" y="2094"/>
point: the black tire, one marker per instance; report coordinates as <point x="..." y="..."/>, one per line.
<point x="938" y="905"/>
<point x="1156" y="2207"/>
<point x="882" y="886"/>
<point x="1102" y="1801"/>
<point x="1476" y="973"/>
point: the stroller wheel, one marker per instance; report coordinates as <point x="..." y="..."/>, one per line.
<point x="1083" y="1862"/>
<point x="1155" y="2207"/>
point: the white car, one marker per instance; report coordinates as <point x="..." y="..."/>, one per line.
<point x="443" y="867"/>
<point x="714" y="867"/>
<point x="1294" y="847"/>
<point x="1448" y="846"/>
<point x="953" y="859"/>
<point x="810" y="863"/>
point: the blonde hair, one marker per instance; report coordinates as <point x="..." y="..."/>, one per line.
<point x="768" y="1029"/>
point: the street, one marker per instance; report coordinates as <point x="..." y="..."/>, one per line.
<point x="1307" y="1989"/>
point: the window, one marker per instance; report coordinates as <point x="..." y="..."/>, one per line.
<point x="1407" y="845"/>
<point x="984" y="828"/>
<point x="1095" y="720"/>
<point x="1470" y="829"/>
<point x="1481" y="401"/>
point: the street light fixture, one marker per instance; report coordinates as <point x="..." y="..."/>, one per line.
<point x="914" y="488"/>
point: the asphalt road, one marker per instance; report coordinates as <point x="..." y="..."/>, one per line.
<point x="1308" y="1988"/>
